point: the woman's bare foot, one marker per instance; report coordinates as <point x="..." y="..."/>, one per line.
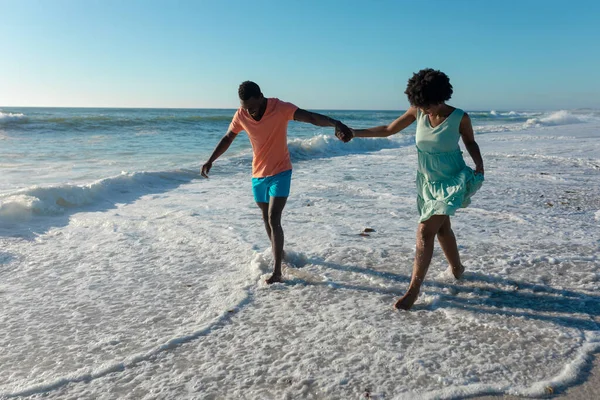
<point x="274" y="279"/>
<point x="457" y="272"/>
<point x="407" y="301"/>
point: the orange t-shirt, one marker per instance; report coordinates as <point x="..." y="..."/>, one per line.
<point x="267" y="136"/>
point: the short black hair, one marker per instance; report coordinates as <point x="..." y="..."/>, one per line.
<point x="428" y="87"/>
<point x="248" y="89"/>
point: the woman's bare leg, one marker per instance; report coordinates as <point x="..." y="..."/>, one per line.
<point x="448" y="243"/>
<point x="426" y="232"/>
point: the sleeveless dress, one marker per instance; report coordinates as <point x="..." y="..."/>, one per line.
<point x="444" y="182"/>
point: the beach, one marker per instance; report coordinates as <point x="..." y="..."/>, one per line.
<point x="124" y="274"/>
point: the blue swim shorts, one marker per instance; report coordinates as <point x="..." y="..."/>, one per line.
<point x="272" y="186"/>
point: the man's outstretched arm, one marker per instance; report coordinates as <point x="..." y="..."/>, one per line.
<point x="221" y="148"/>
<point x="341" y="130"/>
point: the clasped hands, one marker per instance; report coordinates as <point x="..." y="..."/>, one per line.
<point x="343" y="132"/>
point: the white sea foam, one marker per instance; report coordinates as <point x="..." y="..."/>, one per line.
<point x="557" y="118"/>
<point x="495" y="113"/>
<point x="54" y="200"/>
<point x="498" y="128"/>
<point x="7" y="116"/>
<point x="535" y="120"/>
<point x="327" y="145"/>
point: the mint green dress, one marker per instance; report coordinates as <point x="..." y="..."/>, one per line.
<point x="444" y="182"/>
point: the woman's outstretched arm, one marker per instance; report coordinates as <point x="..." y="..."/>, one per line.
<point x="400" y="123"/>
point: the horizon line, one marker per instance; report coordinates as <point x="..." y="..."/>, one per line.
<point x="317" y="109"/>
<point x="193" y="108"/>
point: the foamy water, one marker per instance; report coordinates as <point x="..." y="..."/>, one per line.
<point x="146" y="282"/>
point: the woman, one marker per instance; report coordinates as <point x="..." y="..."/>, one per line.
<point x="444" y="182"/>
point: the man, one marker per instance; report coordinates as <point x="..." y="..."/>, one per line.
<point x="265" y="121"/>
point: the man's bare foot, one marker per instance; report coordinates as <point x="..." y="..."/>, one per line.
<point x="457" y="272"/>
<point x="274" y="279"/>
<point x="407" y="301"/>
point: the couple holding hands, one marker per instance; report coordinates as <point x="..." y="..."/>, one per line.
<point x="444" y="182"/>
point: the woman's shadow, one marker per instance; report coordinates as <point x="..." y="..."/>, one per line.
<point x="491" y="294"/>
<point x="498" y="296"/>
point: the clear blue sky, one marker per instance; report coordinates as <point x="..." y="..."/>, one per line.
<point x="318" y="54"/>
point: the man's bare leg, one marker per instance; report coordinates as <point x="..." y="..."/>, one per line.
<point x="276" y="206"/>
<point x="426" y="232"/>
<point x="448" y="243"/>
<point x="264" y="208"/>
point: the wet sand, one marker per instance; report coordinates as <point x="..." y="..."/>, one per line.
<point x="588" y="388"/>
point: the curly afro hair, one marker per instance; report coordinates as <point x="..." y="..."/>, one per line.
<point x="249" y="89"/>
<point x="428" y="87"/>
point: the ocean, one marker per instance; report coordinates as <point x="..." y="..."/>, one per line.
<point x="124" y="274"/>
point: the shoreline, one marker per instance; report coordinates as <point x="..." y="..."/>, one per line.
<point x="586" y="387"/>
